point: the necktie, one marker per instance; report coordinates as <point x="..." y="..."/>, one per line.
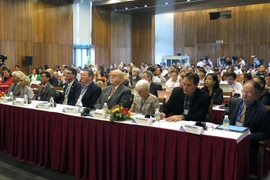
<point x="13" y="87"/>
<point x="112" y="91"/>
<point x="243" y="114"/>
<point x="66" y="94"/>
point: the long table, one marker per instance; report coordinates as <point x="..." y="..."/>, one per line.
<point x="95" y="149"/>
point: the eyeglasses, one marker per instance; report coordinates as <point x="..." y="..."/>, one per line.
<point x="140" y="91"/>
<point x="247" y="93"/>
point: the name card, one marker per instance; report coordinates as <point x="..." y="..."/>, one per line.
<point x="191" y="129"/>
<point x="19" y="102"/>
<point x="43" y="106"/>
<point x="71" y="110"/>
<point x="4" y="99"/>
<point x="142" y="120"/>
<point x="98" y="114"/>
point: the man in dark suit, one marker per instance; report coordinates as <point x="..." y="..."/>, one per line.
<point x="53" y="79"/>
<point x="116" y="93"/>
<point x="187" y="103"/>
<point x="15" y="87"/>
<point x="89" y="92"/>
<point x="71" y="87"/>
<point x="147" y="75"/>
<point x="249" y="112"/>
<point x="46" y="90"/>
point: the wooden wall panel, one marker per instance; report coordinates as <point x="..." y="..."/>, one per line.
<point x="143" y="39"/>
<point x="246" y="33"/>
<point x="36" y="29"/>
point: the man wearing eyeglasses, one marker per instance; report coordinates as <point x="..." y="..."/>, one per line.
<point x="116" y="93"/>
<point x="249" y="112"/>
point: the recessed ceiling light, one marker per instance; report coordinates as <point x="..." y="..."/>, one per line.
<point x="145" y="5"/>
<point x="115" y="9"/>
<point x="166" y="3"/>
<point x="126" y="8"/>
<point x="188" y="0"/>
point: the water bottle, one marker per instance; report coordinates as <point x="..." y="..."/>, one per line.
<point x="226" y="122"/>
<point x="51" y="102"/>
<point x="105" y="108"/>
<point x="157" y="115"/>
<point x="25" y="99"/>
<point x="11" y="96"/>
<point x="79" y="105"/>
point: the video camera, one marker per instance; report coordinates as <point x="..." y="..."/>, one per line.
<point x="3" y="59"/>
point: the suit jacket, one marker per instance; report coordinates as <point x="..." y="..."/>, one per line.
<point x="54" y="81"/>
<point x="133" y="82"/>
<point x="256" y="119"/>
<point x="91" y="95"/>
<point x="121" y="96"/>
<point x="16" y="91"/>
<point x="49" y="92"/>
<point x="265" y="97"/>
<point x="154" y="88"/>
<point x="198" y="109"/>
<point x="73" y="92"/>
<point x="216" y="96"/>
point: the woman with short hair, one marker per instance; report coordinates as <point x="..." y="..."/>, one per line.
<point x="25" y="88"/>
<point x="145" y="102"/>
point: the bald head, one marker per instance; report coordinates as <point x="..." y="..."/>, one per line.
<point x="116" y="77"/>
<point x="50" y="71"/>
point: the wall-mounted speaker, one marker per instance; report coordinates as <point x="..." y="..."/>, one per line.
<point x="28" y="60"/>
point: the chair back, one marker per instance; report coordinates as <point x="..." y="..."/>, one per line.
<point x="164" y="94"/>
<point x="226" y="97"/>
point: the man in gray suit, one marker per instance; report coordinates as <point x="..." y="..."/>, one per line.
<point x="15" y="87"/>
<point x="249" y="112"/>
<point x="46" y="90"/>
<point x="116" y="93"/>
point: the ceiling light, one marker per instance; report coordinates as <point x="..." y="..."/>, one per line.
<point x="145" y="5"/>
<point x="126" y="8"/>
<point x="166" y="3"/>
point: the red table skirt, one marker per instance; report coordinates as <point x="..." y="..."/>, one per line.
<point x="217" y="117"/>
<point x="92" y="149"/>
<point x="4" y="88"/>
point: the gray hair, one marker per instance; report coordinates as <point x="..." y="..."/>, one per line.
<point x="18" y="74"/>
<point x="142" y="85"/>
<point x="135" y="69"/>
<point x="120" y="73"/>
<point x="148" y="73"/>
<point x="26" y="79"/>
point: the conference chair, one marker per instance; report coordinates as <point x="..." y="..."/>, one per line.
<point x="209" y="113"/>
<point x="226" y="97"/>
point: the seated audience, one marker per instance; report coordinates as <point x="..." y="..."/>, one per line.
<point x="100" y="78"/>
<point x="261" y="71"/>
<point x="247" y="77"/>
<point x="15" y="87"/>
<point x="7" y="80"/>
<point x="211" y="87"/>
<point x="173" y="81"/>
<point x="147" y="75"/>
<point x="158" y="73"/>
<point x="202" y="74"/>
<point x="71" y="87"/>
<point x="135" y="76"/>
<point x="187" y="103"/>
<point x="145" y="103"/>
<point x="116" y="93"/>
<point x="25" y="88"/>
<point x="235" y="86"/>
<point x="265" y="95"/>
<point x="34" y="77"/>
<point x="267" y="80"/>
<point x="249" y="112"/>
<point x="89" y="92"/>
<point x="46" y="90"/>
<point x="53" y="79"/>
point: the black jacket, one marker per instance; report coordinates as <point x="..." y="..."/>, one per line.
<point x="198" y="109"/>
<point x="216" y="96"/>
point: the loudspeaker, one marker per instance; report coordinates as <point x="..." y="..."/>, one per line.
<point x="28" y="60"/>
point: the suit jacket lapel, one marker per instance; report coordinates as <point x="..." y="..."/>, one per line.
<point x="113" y="93"/>
<point x="249" y="115"/>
